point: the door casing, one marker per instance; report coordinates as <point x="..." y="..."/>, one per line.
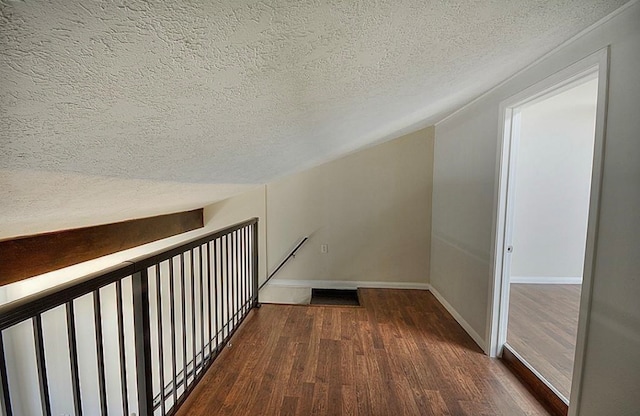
<point x="596" y="64"/>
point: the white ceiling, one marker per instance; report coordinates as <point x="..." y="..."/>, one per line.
<point x="178" y="104"/>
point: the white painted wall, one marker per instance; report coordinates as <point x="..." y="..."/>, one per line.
<point x="465" y="179"/>
<point x="552" y="186"/>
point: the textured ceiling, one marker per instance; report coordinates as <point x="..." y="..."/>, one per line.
<point x="210" y="93"/>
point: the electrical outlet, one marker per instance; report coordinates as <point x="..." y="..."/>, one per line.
<point x="324" y="248"/>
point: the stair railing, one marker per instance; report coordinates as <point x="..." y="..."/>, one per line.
<point x="136" y="337"/>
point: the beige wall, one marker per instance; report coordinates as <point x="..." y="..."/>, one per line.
<point x="465" y="179"/>
<point x="372" y="208"/>
<point x="237" y="209"/>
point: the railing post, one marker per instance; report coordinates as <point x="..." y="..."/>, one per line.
<point x="254" y="259"/>
<point x="142" y="332"/>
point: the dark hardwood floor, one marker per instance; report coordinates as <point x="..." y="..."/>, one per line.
<point x="399" y="354"/>
<point x="543" y="323"/>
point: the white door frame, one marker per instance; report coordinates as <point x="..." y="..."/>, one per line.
<point x="595" y="63"/>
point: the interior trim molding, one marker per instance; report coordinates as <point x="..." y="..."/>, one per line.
<point x="463" y="323"/>
<point x="347" y="284"/>
<point x="33" y="255"/>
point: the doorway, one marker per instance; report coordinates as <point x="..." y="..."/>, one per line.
<point x="547" y="215"/>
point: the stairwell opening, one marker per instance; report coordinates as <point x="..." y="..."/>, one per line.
<point x="336" y="297"/>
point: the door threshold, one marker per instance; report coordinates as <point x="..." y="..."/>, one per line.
<point x="541" y="390"/>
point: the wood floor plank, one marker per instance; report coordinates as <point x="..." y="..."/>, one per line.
<point x="347" y="400"/>
<point x="305" y="403"/>
<point x="320" y="399"/>
<point x="289" y="405"/>
<point x="399" y="354"/>
<point x="434" y="404"/>
<point x="363" y="392"/>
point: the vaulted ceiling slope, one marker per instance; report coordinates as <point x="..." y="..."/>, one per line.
<point x="202" y="94"/>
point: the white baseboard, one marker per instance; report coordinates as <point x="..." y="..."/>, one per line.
<point x="561" y="280"/>
<point x="346" y="284"/>
<point x="464" y="324"/>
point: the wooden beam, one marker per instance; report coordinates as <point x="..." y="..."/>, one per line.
<point x="24" y="257"/>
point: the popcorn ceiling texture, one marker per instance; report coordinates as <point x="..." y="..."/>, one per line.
<point x="213" y="93"/>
